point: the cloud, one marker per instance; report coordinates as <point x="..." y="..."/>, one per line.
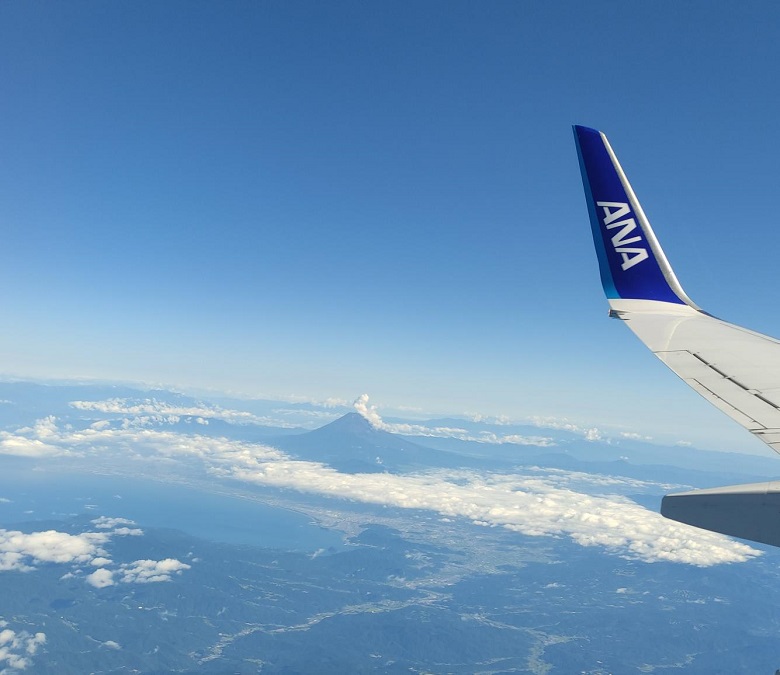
<point x="150" y="571"/>
<point x="566" y="478"/>
<point x="330" y="402"/>
<point x="633" y="436"/>
<point x="368" y="411"/>
<point x="101" y="578"/>
<point x="593" y="434"/>
<point x="590" y="433"/>
<point x="168" y="411"/>
<point x="531" y="503"/>
<point x="11" y="444"/>
<point x="140" y="443"/>
<point x="556" y="423"/>
<point x="106" y="523"/>
<point x="138" y="572"/>
<point x="313" y="416"/>
<point x="40" y="440"/>
<point x="129" y="531"/>
<point x="514" y="439"/>
<point x="21" y="552"/>
<point x="16" y="647"/>
<point x="371" y="413"/>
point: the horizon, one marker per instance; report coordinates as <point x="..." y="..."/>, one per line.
<point x="400" y="420"/>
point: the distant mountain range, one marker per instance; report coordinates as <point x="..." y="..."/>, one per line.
<point x="352" y="445"/>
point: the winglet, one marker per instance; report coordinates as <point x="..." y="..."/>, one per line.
<point x="632" y="264"/>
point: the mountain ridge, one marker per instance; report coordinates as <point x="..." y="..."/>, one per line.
<point x="351" y="444"/>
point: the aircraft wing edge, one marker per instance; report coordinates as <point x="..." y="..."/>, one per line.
<point x="750" y="511"/>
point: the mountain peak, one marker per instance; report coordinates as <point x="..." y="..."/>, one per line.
<point x="353" y="423"/>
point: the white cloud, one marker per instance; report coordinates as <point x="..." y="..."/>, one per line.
<point x="150" y="571"/>
<point x="314" y="416"/>
<point x="633" y="436"/>
<point x="371" y="413"/>
<point x="330" y="402"/>
<point x="568" y="479"/>
<point x="555" y="423"/>
<point x="16" y="648"/>
<point x="529" y="505"/>
<point x="106" y="523"/>
<point x="138" y="572"/>
<point x="139" y="444"/>
<point x="167" y="411"/>
<point x="593" y="434"/>
<point x="538" y="505"/>
<point x="11" y="444"/>
<point x="590" y="433"/>
<point x="101" y="578"/>
<point x="19" y="550"/>
<point x="128" y="531"/>
<point x="113" y="524"/>
<point x="515" y="439"/>
<point x="368" y="411"/>
<point x="40" y="440"/>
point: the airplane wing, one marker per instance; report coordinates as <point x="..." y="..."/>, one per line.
<point x="735" y="369"/>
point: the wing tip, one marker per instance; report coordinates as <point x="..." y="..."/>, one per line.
<point x="631" y="261"/>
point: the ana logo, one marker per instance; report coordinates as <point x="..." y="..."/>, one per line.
<point x="614" y="218"/>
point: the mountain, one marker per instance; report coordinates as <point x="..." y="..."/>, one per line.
<point x="352" y="445"/>
<point x="645" y="461"/>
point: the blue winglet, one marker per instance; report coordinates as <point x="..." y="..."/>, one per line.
<point x="631" y="261"/>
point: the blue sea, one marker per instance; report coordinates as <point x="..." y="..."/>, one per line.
<point x="27" y="495"/>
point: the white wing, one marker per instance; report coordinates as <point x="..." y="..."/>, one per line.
<point x="735" y="369"/>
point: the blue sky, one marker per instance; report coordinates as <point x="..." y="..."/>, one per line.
<point x="325" y="199"/>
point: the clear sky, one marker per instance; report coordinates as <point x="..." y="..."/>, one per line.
<point x="326" y="199"/>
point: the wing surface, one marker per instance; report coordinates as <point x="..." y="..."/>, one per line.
<point x="735" y="369"/>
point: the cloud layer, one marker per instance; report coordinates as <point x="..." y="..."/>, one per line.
<point x="371" y="414"/>
<point x="535" y="502"/>
<point x="151" y="406"/>
<point x="530" y="505"/>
